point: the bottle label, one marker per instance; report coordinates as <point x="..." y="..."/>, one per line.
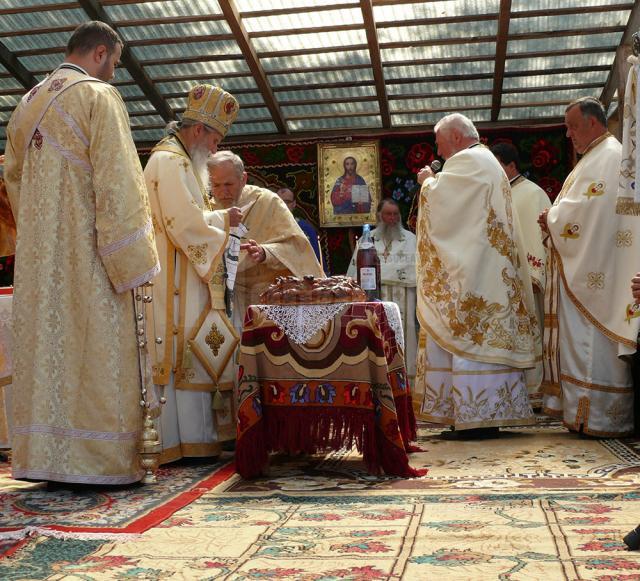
<point x="368" y="278"/>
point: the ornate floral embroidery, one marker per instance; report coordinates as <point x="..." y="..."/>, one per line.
<point x="595" y="189"/>
<point x="498" y="237"/>
<point x="37" y="140"/>
<point x="169" y="222"/>
<point x="185" y="165"/>
<point x="624" y="238"/>
<point x="570" y="231"/>
<point x="198" y="92"/>
<point x="595" y="280"/>
<point x="156" y="224"/>
<point x="197" y="253"/>
<point x="632" y="312"/>
<point x="57" y="84"/>
<point x="537" y="263"/>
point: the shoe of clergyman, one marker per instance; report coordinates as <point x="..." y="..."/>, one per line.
<point x="471" y="434"/>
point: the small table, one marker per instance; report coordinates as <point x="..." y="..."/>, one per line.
<point x="345" y="385"/>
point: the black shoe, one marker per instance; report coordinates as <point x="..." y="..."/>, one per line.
<point x="632" y="539"/>
<point x="471" y="434"/>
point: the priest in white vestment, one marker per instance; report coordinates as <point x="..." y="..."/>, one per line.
<point x="274" y="245"/>
<point x="475" y="299"/>
<point x="591" y="324"/>
<point x="396" y="249"/>
<point x="528" y="200"/>
<point x="191" y="240"/>
<point x="84" y="241"/>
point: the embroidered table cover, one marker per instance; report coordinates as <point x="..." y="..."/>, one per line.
<point x="345" y="386"/>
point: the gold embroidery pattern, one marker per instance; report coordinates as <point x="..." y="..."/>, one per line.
<point x="471" y="316"/>
<point x="156" y="225"/>
<point x="197" y="253"/>
<point x="169" y="222"/>
<point x="185" y="165"/>
<point x="214" y="339"/>
<point x="624" y="238"/>
<point x="595" y="280"/>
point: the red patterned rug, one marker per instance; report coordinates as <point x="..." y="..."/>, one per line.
<point x="100" y="511"/>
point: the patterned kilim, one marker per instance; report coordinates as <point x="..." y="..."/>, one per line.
<point x="100" y="510"/>
<point x="536" y="503"/>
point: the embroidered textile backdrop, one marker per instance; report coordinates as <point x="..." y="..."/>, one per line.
<point x="545" y="158"/>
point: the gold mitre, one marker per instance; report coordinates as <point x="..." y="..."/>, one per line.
<point x="212" y="106"/>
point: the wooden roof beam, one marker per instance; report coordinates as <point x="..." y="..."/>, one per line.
<point x="612" y="81"/>
<point x="95" y="11"/>
<point x="501" y="57"/>
<point x="234" y="20"/>
<point x="11" y="62"/>
<point x="376" y="61"/>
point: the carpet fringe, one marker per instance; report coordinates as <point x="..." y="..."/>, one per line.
<point x="26" y="532"/>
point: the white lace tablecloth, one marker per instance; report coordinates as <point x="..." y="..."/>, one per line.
<point x="301" y="322"/>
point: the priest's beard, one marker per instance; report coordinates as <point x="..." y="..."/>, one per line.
<point x="388" y="232"/>
<point x="199" y="157"/>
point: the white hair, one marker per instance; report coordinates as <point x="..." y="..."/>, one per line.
<point x="226" y="156"/>
<point x="459" y="122"/>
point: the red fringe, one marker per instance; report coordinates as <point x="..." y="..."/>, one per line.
<point x="315" y="429"/>
<point x="406" y="420"/>
<point x="251" y="455"/>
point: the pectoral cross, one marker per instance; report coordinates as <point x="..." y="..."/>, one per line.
<point x="387" y="251"/>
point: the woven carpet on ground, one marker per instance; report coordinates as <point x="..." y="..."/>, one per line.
<point x="536" y="503"/>
<point x="95" y="510"/>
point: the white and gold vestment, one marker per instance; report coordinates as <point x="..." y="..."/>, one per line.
<point x="591" y="323"/>
<point x="84" y="240"/>
<point x="475" y="299"/>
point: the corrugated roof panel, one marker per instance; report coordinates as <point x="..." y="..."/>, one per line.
<point x="28" y="3"/>
<point x="331" y="108"/>
<point x="254" y="113"/>
<point x="229" y="84"/>
<point x="524" y="5"/>
<point x="552" y="43"/>
<point x="560" y="95"/>
<point x="42" y="62"/>
<point x="544" y="63"/>
<point x="421" y="71"/>
<point x="136" y="106"/>
<point x="300" y="21"/>
<point x="543" y="80"/>
<point x="507" y="114"/>
<point x="564" y="22"/>
<point x="181" y="30"/>
<point x="311" y="61"/>
<point x="335" y="123"/>
<point x="34" y="41"/>
<point x="252" y="128"/>
<point x="187" y="49"/>
<point x="43" y="19"/>
<point x="254" y="5"/>
<point x="459" y="103"/>
<point x="390" y="55"/>
<point x="309" y="40"/>
<point x="407" y="119"/>
<point x="130" y="91"/>
<point x="148" y="134"/>
<point x="435" y="9"/>
<point x="122" y="74"/>
<point x="440" y="87"/>
<point x="464" y="31"/>
<point x="9" y="100"/>
<point x="7" y="83"/>
<point x="146" y="120"/>
<point x="321" y="77"/>
<point x="162" y="9"/>
<point x="347" y="93"/>
<point x="200" y="68"/>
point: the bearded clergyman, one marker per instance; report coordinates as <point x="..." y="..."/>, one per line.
<point x="191" y="239"/>
<point x="396" y="249"/>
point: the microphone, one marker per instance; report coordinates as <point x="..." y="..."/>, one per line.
<point x="436" y="165"/>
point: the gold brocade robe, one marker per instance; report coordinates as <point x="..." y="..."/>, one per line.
<point x="288" y="252"/>
<point x="189" y="291"/>
<point x="474" y="292"/>
<point x="85" y="238"/>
